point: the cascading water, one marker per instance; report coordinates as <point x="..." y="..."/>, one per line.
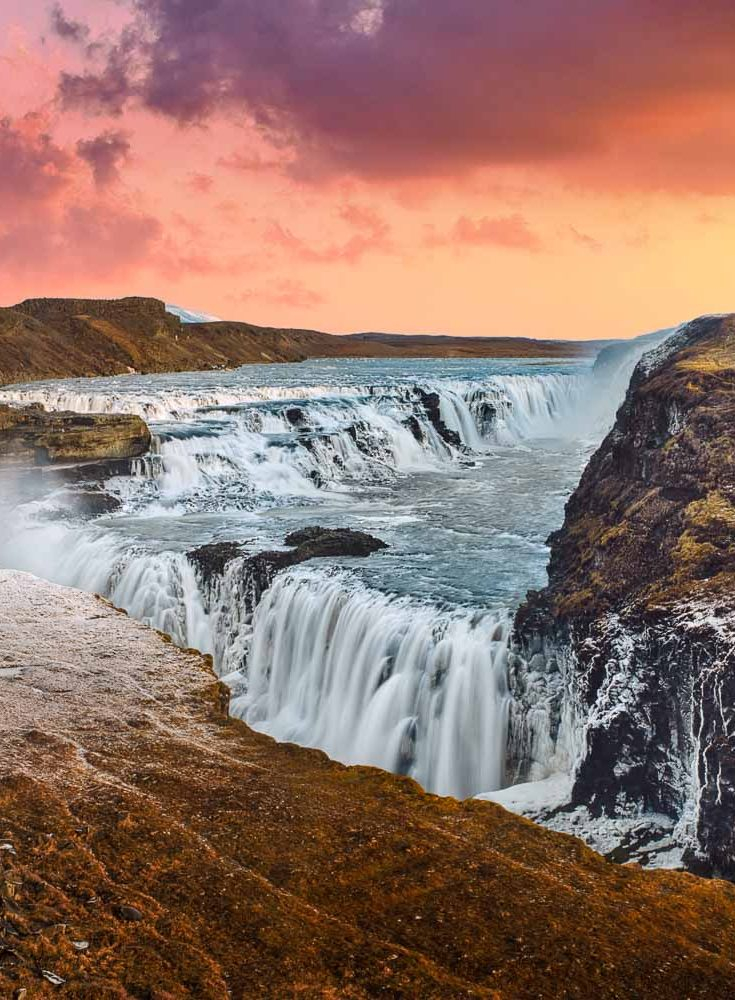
<point x="381" y="681"/>
<point x="400" y="661"/>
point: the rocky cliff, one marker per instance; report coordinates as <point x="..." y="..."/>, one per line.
<point x="151" y="847"/>
<point x="624" y="666"/>
<point x="31" y="436"/>
<point x="64" y="338"/>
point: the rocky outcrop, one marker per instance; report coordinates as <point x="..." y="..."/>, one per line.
<point x="30" y="435"/>
<point x="64" y="338"/>
<point x="431" y="404"/>
<point x="624" y="669"/>
<point x="259" y="570"/>
<point x="150" y="847"/>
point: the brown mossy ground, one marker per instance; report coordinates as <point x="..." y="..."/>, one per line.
<point x="267" y="870"/>
<point x="653" y="519"/>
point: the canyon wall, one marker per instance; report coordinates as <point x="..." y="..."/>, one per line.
<point x="622" y="669"/>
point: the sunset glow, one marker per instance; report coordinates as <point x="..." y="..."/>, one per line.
<point x="543" y="169"/>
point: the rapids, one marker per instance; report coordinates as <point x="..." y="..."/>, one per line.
<point x="463" y="467"/>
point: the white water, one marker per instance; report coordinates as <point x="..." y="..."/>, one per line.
<point x="398" y="660"/>
<point x="380" y="681"/>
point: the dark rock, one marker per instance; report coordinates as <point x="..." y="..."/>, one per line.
<point x="412" y="424"/>
<point x="295" y="416"/>
<point x="93" y="502"/>
<point x="211" y="560"/>
<point x="315" y="542"/>
<point x="305" y="544"/>
<point x="260" y="570"/>
<point x="431" y="404"/>
<point x="130" y="913"/>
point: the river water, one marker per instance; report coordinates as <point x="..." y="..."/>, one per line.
<point x="398" y="660"/>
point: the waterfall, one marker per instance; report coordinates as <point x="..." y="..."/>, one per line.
<point x="324" y="659"/>
<point x="378" y="680"/>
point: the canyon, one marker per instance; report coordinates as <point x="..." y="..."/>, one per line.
<point x="149" y="814"/>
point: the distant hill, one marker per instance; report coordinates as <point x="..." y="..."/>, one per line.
<point x="65" y="338"/>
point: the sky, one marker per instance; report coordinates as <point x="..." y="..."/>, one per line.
<point x="545" y="168"/>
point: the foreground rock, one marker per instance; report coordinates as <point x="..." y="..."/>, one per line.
<point x="31" y="436"/>
<point x="157" y="849"/>
<point x="624" y="673"/>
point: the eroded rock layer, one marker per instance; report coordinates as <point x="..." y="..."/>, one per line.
<point x="30" y="435"/>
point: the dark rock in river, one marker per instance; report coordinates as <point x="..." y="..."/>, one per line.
<point x="431" y="404"/>
<point x="259" y="570"/>
<point x="412" y="424"/>
<point x="315" y="542"/>
<point x="92" y="502"/>
<point x="295" y="416"/>
<point x="211" y="560"/>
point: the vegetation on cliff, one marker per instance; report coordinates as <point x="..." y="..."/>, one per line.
<point x="652" y="519"/>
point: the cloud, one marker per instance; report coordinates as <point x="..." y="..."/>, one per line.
<point x="66" y="28"/>
<point x="95" y="241"/>
<point x="104" y="154"/>
<point x="200" y="183"/>
<point x="390" y="88"/>
<point x="251" y="163"/>
<point x="53" y="223"/>
<point x="371" y="234"/>
<point x="511" y="232"/>
<point x="33" y="168"/>
<point x="105" y="91"/>
<point x="286" y="292"/>
<point x="584" y="239"/>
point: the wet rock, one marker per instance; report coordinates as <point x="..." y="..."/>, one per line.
<point x="432" y="405"/>
<point x="211" y="560"/>
<point x="315" y="542"/>
<point x="411" y="423"/>
<point x="295" y="416"/>
<point x="639" y="614"/>
<point x="92" y="502"/>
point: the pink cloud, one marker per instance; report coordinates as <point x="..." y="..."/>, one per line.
<point x="511" y="232"/>
<point x="33" y="169"/>
<point x="104" y="154"/>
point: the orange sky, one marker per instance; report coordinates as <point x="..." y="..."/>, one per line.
<point x="359" y="169"/>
